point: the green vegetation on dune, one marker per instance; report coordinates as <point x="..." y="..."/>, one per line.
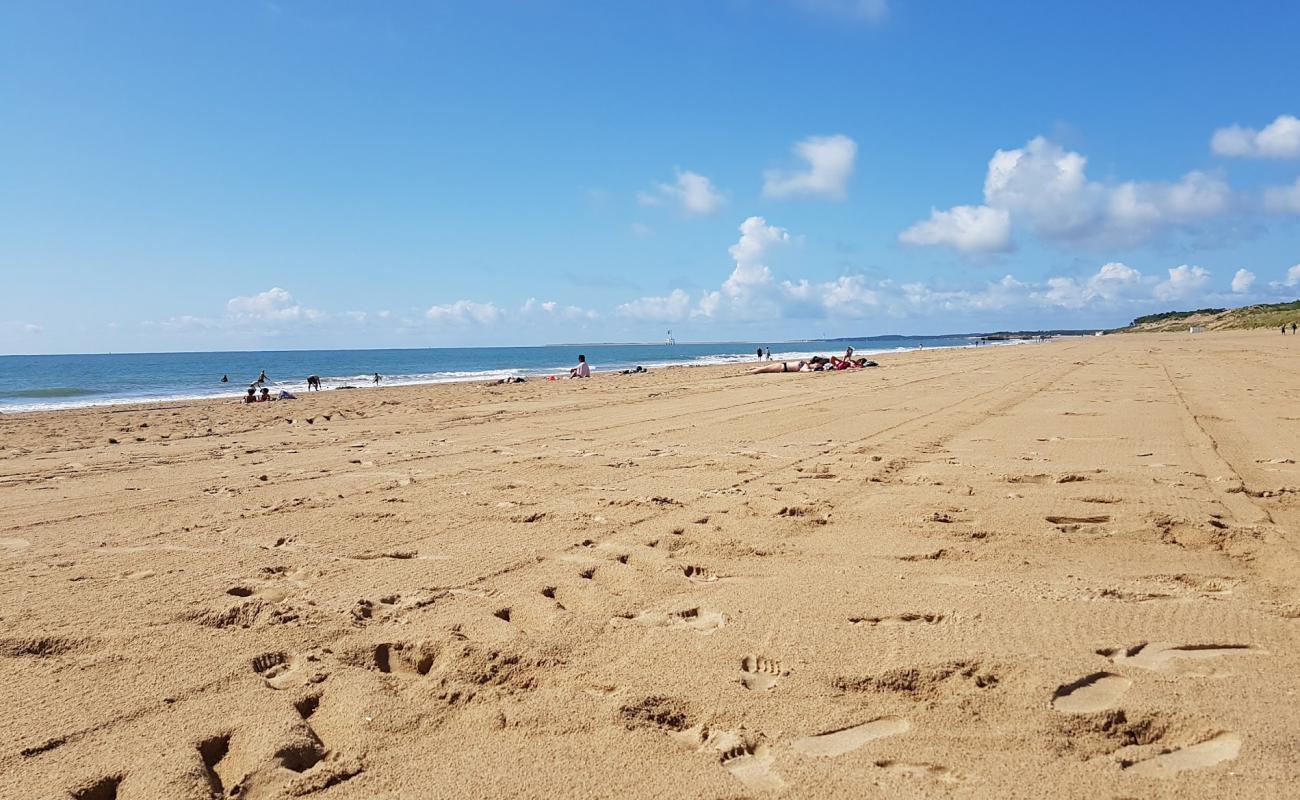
<point x="1271" y="315"/>
<point x="1168" y="315"/>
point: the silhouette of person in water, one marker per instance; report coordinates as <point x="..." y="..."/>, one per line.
<point x="225" y="379"/>
<point x="376" y="378"/>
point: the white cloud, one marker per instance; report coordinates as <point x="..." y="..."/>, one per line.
<point x="1046" y="187"/>
<point x="1242" y="281"/>
<point x="673" y="307"/>
<point x="273" y="305"/>
<point x="551" y="308"/>
<point x="21" y="327"/>
<point x="1112" y="282"/>
<point x="1279" y="139"/>
<point x="1283" y="199"/>
<point x="465" y="311"/>
<point x="693" y="193"/>
<point x="869" y="11"/>
<point x="830" y="163"/>
<point x="968" y="229"/>
<point x="1182" y="281"/>
<point x="1292" y="278"/>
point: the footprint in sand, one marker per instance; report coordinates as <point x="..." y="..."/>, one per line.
<point x="1163" y="657"/>
<point x="752" y="765"/>
<point x="932" y="772"/>
<point x="279" y="670"/>
<point x="846" y="740"/>
<point x="1095" y="692"/>
<point x="699" y="574"/>
<point x="898" y="619"/>
<point x="760" y="674"/>
<point x="696" y="619"/>
<point x="1217" y="749"/>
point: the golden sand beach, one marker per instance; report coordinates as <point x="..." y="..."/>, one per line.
<point x="1061" y="570"/>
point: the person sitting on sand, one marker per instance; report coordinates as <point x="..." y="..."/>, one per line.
<point x="582" y="370"/>
<point x="313" y="382"/>
<point x="251" y="397"/>
<point x="781" y="366"/>
<point x="265" y="396"/>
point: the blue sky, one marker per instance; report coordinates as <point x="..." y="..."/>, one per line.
<point x="258" y="175"/>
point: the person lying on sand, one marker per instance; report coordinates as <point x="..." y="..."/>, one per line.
<point x="511" y="379"/>
<point x="634" y="371"/>
<point x="781" y="366"/>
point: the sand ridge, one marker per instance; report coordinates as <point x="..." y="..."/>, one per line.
<point x="1059" y="570"/>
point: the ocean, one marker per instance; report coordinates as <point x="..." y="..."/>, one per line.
<point x="36" y="383"/>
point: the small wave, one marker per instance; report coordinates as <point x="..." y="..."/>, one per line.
<point x="56" y="391"/>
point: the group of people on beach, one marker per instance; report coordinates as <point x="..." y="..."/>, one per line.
<point x="259" y="393"/>
<point x="816" y="364"/>
<point x="1292" y="329"/>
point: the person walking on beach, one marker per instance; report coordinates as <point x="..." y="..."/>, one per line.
<point x="760" y="354"/>
<point x="1284" y="329"/>
<point x="582" y="370"/>
<point x="1293" y="329"/>
<point x="767" y="356"/>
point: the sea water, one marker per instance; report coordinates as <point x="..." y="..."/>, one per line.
<point x="32" y="383"/>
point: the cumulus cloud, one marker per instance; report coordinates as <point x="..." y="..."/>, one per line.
<point x="1279" y="139"/>
<point x="1283" y="199"/>
<point x="273" y="305"/>
<point x="1112" y="282"/>
<point x="670" y="308"/>
<point x="1291" y="280"/>
<point x="868" y="11"/>
<point x="692" y="192"/>
<point x="1242" y="281"/>
<point x="1045" y="189"/>
<point x="830" y="163"/>
<point x="1182" y="281"/>
<point x="967" y="229"/>
<point x="465" y="311"/>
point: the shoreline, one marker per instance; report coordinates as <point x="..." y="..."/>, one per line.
<point x="485" y="376"/>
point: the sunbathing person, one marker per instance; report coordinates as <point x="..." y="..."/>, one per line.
<point x="781" y="366"/>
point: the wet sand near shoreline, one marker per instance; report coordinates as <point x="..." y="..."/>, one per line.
<point x="1065" y="570"/>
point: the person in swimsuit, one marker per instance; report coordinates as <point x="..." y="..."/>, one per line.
<point x="781" y="366"/>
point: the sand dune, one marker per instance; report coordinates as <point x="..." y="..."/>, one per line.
<point x="1063" y="570"/>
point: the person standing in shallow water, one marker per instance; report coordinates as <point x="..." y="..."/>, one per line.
<point x="760" y="354"/>
<point x="376" y="378"/>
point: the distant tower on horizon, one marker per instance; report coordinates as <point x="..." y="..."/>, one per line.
<point x="670" y="339"/>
